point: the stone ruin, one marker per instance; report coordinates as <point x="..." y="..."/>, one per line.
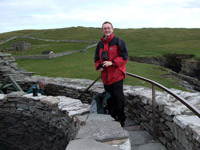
<point x="20" y="46"/>
<point x="177" y="127"/>
<point x="17" y="46"/>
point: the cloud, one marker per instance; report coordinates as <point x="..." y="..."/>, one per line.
<point x="21" y="14"/>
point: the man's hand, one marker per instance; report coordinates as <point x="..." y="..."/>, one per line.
<point x="101" y="69"/>
<point x="107" y="63"/>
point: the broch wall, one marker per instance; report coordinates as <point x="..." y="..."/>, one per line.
<point x="177" y="127"/>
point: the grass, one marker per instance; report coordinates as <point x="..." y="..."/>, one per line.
<point x="81" y="65"/>
<point x="140" y="42"/>
<point x="38" y="46"/>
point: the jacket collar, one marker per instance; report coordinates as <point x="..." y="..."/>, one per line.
<point x="107" y="39"/>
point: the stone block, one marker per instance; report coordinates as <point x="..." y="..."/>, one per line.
<point x="15" y="94"/>
<point x="22" y="106"/>
<point x="82" y="118"/>
<point x="175" y="110"/>
<point x="50" y="100"/>
<point x="100" y="117"/>
<point x="89" y="144"/>
<point x="30" y="96"/>
<point x="73" y="106"/>
<point x="169" y="135"/>
<point x="103" y="131"/>
<point x="196" y="133"/>
<point x="184" y="120"/>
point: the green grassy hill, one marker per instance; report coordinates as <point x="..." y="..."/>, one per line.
<point x="140" y="42"/>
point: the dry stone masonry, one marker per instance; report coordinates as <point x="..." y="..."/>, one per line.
<point x="70" y="116"/>
<point x="177" y="127"/>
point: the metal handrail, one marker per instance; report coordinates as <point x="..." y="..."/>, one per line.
<point x="182" y="100"/>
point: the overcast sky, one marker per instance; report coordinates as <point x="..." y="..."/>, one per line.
<point x="48" y="14"/>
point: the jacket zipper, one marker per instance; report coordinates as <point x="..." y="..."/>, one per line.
<point x="106" y="76"/>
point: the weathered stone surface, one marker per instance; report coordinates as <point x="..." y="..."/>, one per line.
<point x="82" y="118"/>
<point x="50" y="100"/>
<point x="139" y="101"/>
<point x="175" y="109"/>
<point x="100" y="117"/>
<point x="122" y="144"/>
<point x="184" y="120"/>
<point x="196" y="133"/>
<point x="102" y="131"/>
<point x="2" y="96"/>
<point x="15" y="94"/>
<point x="89" y="144"/>
<point x="139" y="137"/>
<point x="150" y="146"/>
<point x="72" y="106"/>
<point x="30" y="96"/>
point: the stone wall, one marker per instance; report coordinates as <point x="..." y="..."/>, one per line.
<point x="9" y="67"/>
<point x="42" y="108"/>
<point x="20" y="46"/>
<point x="55" y="55"/>
<point x="47" y="40"/>
<point x="177" y="127"/>
<point x="69" y="116"/>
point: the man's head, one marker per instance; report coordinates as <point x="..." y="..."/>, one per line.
<point x="41" y="83"/>
<point x="107" y="28"/>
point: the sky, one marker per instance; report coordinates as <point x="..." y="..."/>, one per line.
<point x="51" y="14"/>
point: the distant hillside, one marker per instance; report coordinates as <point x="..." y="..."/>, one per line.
<point x="140" y="42"/>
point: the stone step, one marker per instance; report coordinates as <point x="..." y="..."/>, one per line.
<point x="103" y="130"/>
<point x="142" y="140"/>
<point x="89" y="144"/>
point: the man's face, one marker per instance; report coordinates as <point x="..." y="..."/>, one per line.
<point x="41" y="85"/>
<point x="107" y="29"/>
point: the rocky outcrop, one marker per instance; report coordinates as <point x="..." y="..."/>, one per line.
<point x="182" y="67"/>
<point x="191" y="68"/>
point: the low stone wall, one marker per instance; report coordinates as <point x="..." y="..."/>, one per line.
<point x="44" y="108"/>
<point x="50" y="56"/>
<point x="8" y="66"/>
<point x="177" y="127"/>
<point x="71" y="117"/>
<point x="47" y="40"/>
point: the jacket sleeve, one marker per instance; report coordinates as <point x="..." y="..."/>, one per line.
<point x="31" y="89"/>
<point x="122" y="59"/>
<point x="96" y="57"/>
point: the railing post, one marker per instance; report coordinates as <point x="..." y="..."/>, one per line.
<point x="154" y="111"/>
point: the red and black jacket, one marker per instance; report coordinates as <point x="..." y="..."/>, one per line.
<point x="118" y="54"/>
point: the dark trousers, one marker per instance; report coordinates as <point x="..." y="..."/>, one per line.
<point x="117" y="101"/>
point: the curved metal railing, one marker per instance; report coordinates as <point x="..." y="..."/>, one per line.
<point x="154" y="84"/>
<point x="183" y="101"/>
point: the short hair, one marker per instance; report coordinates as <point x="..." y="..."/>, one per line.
<point x="41" y="81"/>
<point x="108" y="23"/>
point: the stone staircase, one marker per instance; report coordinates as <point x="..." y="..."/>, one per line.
<point x="96" y="131"/>
<point x="102" y="132"/>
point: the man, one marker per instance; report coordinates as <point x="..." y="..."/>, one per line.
<point x="110" y="58"/>
<point x="39" y="87"/>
